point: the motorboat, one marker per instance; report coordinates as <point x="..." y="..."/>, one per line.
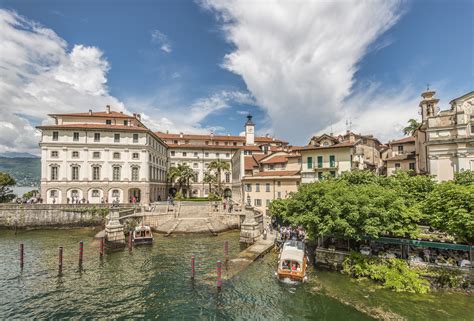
<point x="292" y="261"/>
<point x="142" y="235"/>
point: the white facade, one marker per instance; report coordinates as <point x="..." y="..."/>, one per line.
<point x="101" y="157"/>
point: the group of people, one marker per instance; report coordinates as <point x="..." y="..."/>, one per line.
<point x="170" y="200"/>
<point x="227" y="205"/>
<point x="33" y="200"/>
<point x="288" y="233"/>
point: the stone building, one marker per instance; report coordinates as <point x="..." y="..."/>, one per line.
<point x="327" y="154"/>
<point x="197" y="151"/>
<point x="400" y="156"/>
<point x="445" y="139"/>
<point x="100" y="157"/>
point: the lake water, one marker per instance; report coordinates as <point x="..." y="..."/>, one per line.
<point x="154" y="282"/>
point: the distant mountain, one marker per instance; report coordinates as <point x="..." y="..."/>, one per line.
<point x="25" y="170"/>
<point x="17" y="155"/>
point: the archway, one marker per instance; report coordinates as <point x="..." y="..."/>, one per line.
<point x="172" y="191"/>
<point x="74" y="196"/>
<point x="227" y="193"/>
<point x="53" y="196"/>
<point x="95" y="196"/>
<point x="134" y="195"/>
<point x="116" y="195"/>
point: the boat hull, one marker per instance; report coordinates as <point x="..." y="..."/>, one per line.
<point x="143" y="241"/>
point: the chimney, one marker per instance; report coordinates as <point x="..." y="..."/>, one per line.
<point x="90" y="112"/>
<point x="107" y="109"/>
<point x="139" y="117"/>
<point x="181" y="135"/>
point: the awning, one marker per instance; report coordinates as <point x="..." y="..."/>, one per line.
<point x="437" y="245"/>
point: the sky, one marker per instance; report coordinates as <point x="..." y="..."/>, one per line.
<point x="301" y="68"/>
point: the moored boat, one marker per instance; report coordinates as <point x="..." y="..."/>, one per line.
<point x="292" y="261"/>
<point x="142" y="235"/>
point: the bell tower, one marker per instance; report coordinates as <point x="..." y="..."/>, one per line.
<point x="428" y="105"/>
<point x="249" y="131"/>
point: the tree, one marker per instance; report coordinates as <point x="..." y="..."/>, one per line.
<point x="6" y="193"/>
<point x="182" y="175"/>
<point x="219" y="166"/>
<point x="450" y="208"/>
<point x="30" y="194"/>
<point x="412" y="126"/>
<point x="210" y="179"/>
<point x="464" y="177"/>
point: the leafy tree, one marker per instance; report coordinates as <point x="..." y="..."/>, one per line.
<point x="30" y="194"/>
<point x="6" y="193"/>
<point x="450" y="208"/>
<point x="413" y="188"/>
<point x="412" y="126"/>
<point x="464" y="177"/>
<point x="210" y="179"/>
<point x="219" y="166"/>
<point x="182" y="175"/>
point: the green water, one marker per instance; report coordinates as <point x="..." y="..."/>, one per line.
<point x="154" y="282"/>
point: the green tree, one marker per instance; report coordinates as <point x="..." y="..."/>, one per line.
<point x="464" y="177"/>
<point x="6" y="182"/>
<point x="182" y="175"/>
<point x="450" y="208"/>
<point x="210" y="179"/>
<point x="30" y="194"/>
<point x="412" y="126"/>
<point x="219" y="166"/>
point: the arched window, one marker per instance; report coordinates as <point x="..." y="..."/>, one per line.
<point x="135" y="173"/>
<point x="116" y="173"/>
<point x="227" y="177"/>
<point x="115" y="193"/>
<point x="53" y="193"/>
<point x="95" y="193"/>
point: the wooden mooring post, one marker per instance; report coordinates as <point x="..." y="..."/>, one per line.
<point x="22" y="255"/>
<point x="81" y="253"/>
<point x="60" y="262"/>
<point x="193" y="267"/>
<point x="219" y="275"/>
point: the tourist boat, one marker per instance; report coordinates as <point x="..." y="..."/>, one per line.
<point x="142" y="235"/>
<point x="292" y="262"/>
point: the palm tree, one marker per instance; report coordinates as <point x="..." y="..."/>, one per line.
<point x="181" y="174"/>
<point x="210" y="179"/>
<point x="412" y="126"/>
<point x="219" y="166"/>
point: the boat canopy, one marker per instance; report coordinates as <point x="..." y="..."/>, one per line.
<point x="292" y="251"/>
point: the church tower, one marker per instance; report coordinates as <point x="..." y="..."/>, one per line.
<point x="249" y="131"/>
<point x="428" y="105"/>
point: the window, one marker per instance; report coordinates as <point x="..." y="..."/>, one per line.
<point x="397" y="166"/>
<point x="320" y="176"/>
<point x="195" y="165"/>
<point x="320" y="161"/>
<point x="217" y="143"/>
<point x="185" y="154"/>
<point x="248" y="187"/>
<point x="333" y="173"/>
<point x="186" y="141"/>
<point x="116" y="173"/>
<point x="172" y="153"/>
<point x="75" y="154"/>
<point x="55" y="136"/>
<point x="116" y="138"/>
<point x="195" y="154"/>
<point x="411" y="166"/>
<point x="278" y="195"/>
<point x="96" y="137"/>
<point x="271" y="166"/>
<point x="227" y="177"/>
<point x="267" y="203"/>
<point x="54" y="153"/>
<point x="53" y="193"/>
<point x="257" y="187"/>
<point x="135" y="156"/>
<point x="207" y="142"/>
<point x="217" y="155"/>
<point x="95" y="173"/>
<point x="125" y="122"/>
<point x="226" y="143"/>
<point x="332" y="161"/>
<point x="310" y="162"/>
<point x="75" y="137"/>
<point x="400" y="149"/>
<point x="115" y="193"/>
<point x="54" y="173"/>
<point x="227" y="155"/>
<point x="108" y="121"/>
<point x="235" y="143"/>
<point x="135" y="138"/>
<point x="278" y="183"/>
<point x="116" y="155"/>
<point x="206" y="154"/>
<point x="258" y="202"/>
<point x="96" y="155"/>
<point x="75" y="173"/>
<point x="135" y="173"/>
<point x="95" y="193"/>
<point x="267" y="187"/>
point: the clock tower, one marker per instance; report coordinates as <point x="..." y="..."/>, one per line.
<point x="249" y="131"/>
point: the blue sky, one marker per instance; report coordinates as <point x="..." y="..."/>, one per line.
<point x="299" y="68"/>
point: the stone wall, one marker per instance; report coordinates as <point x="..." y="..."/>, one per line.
<point x="51" y="215"/>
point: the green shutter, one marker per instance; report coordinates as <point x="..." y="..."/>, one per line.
<point x="320" y="161"/>
<point x="332" y="161"/>
<point x="310" y="162"/>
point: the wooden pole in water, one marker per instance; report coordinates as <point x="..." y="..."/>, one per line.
<point x="130" y="240"/>
<point x="101" y="250"/>
<point x="219" y="275"/>
<point x="60" y="263"/>
<point x="81" y="252"/>
<point x="22" y="255"/>
<point x="226" y="250"/>
<point x="193" y="264"/>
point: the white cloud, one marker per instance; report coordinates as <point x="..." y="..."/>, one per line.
<point x="298" y="58"/>
<point x="161" y="39"/>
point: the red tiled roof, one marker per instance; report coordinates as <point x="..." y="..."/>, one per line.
<point x="410" y="139"/>
<point x="275" y="159"/>
<point x="249" y="162"/>
<point x="217" y="137"/>
<point x="276" y="173"/>
<point x="259" y="157"/>
<point x="340" y="145"/>
<point x="112" y="114"/>
<point x="203" y="146"/>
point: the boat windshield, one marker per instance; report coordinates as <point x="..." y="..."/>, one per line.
<point x="298" y="244"/>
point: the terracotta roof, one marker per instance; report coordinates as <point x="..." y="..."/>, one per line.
<point x="203" y="146"/>
<point x="259" y="139"/>
<point x="275" y="159"/>
<point x="276" y="173"/>
<point x="112" y="114"/>
<point x="95" y="126"/>
<point x="410" y="139"/>
<point x="249" y="162"/>
<point x="410" y="156"/>
<point x="259" y="157"/>
<point x="340" y="145"/>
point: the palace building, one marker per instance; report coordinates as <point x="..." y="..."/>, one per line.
<point x="101" y="157"/>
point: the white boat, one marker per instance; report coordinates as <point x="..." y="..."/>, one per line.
<point x="142" y="235"/>
<point x="292" y="262"/>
